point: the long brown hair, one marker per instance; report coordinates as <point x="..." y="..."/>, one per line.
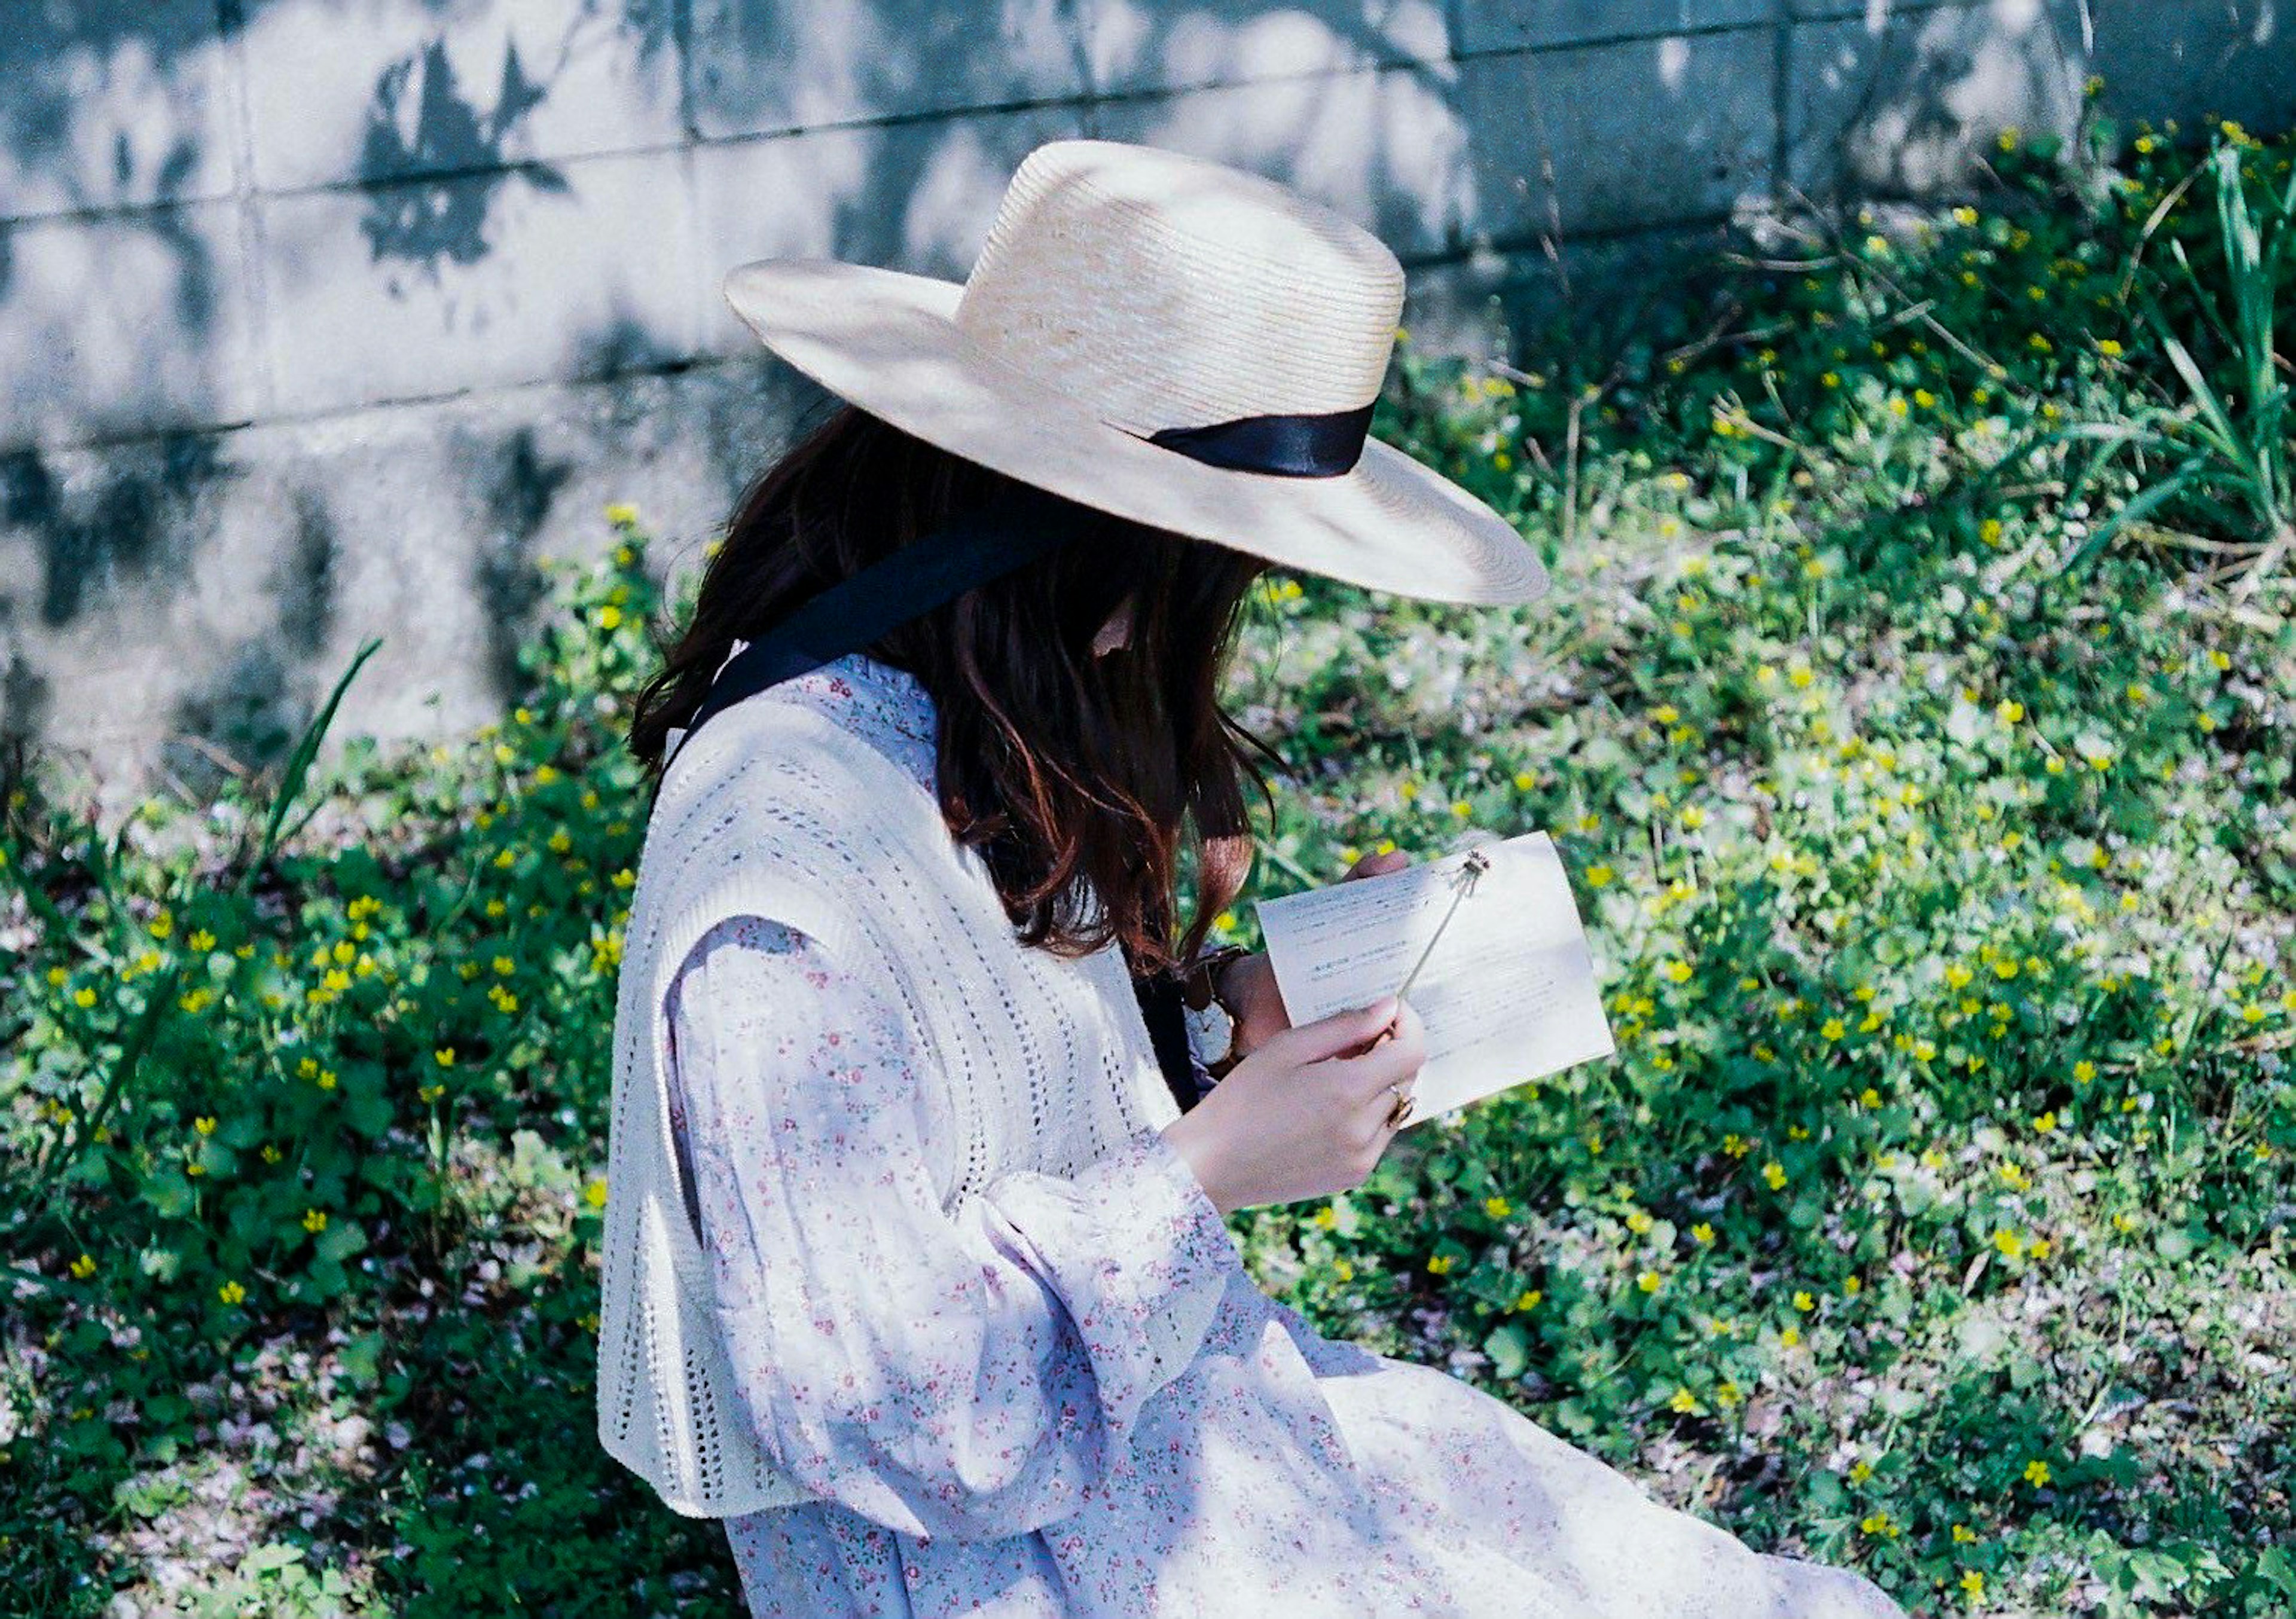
<point x="1076" y="777"/>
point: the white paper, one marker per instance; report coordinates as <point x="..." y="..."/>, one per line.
<point x="1508" y="993"/>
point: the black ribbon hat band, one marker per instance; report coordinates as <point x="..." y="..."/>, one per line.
<point x="1288" y="446"/>
<point x="1008" y="531"/>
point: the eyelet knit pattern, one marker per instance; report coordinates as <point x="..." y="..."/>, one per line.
<point x="1049" y="1387"/>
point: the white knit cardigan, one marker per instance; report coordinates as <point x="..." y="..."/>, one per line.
<point x="774" y="810"/>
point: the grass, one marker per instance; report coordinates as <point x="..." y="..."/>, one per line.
<point x="1914" y="709"/>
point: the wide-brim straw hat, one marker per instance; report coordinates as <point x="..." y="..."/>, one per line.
<point x="1125" y="291"/>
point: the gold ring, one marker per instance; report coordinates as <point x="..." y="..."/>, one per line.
<point x="1401" y="1111"/>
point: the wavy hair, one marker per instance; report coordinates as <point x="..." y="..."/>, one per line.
<point x="1089" y="783"/>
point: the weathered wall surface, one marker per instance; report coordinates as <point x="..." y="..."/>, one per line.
<point x="319" y="319"/>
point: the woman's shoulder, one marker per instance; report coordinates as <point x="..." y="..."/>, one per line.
<point x="773" y="793"/>
<point x="776" y="747"/>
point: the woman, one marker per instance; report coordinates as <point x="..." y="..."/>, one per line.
<point x="915" y="1267"/>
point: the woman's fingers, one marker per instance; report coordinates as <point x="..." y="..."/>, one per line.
<point x="1388" y="1062"/>
<point x="1378" y="865"/>
<point x="1327" y="1037"/>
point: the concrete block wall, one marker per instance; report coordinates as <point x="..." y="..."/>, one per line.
<point x="321" y="319"/>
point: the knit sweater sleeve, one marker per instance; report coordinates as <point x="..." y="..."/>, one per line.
<point x="968" y="1372"/>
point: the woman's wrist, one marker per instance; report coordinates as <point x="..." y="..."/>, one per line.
<point x="1187" y="1136"/>
<point x="1221" y="977"/>
<point x="1212" y="1012"/>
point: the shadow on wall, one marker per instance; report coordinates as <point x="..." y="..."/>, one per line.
<point x="1911" y="111"/>
<point x="285" y="212"/>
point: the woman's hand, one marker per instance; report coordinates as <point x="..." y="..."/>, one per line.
<point x="1247" y="986"/>
<point x="1306" y="1115"/>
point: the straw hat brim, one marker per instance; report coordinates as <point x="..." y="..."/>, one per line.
<point x="889" y="342"/>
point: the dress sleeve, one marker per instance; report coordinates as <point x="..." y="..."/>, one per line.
<point x="965" y="1372"/>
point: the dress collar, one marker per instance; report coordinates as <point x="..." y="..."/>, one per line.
<point x="886" y="706"/>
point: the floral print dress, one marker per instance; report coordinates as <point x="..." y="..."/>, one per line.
<point x="1001" y="1452"/>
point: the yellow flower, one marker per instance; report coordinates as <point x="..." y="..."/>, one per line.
<point x="2008" y="1242"/>
<point x="1683" y="1402"/>
<point x="1964" y="1535"/>
<point x="1775" y="1173"/>
<point x="1599" y="875"/>
<point x="205" y="1125"/>
<point x="2084" y="1071"/>
<point x="444" y="1055"/>
<point x="2107" y="347"/>
<point x="2045" y="1122"/>
<point x="1675" y="972"/>
<point x="314" y="1220"/>
<point x="1804" y="1303"/>
<point x="83" y="1267"/>
<point x="1833" y="1028"/>
<point x="1439" y="1264"/>
<point x="1528" y="1298"/>
<point x="1735" y="1145"/>
<point x="1649" y="1282"/>
<point x="621" y="513"/>
<point x="84" y="998"/>
<point x="1693" y="817"/>
<point x="1639" y="1223"/>
<point x="2037" y="1474"/>
<point x="231" y="1293"/>
<point x="610" y="617"/>
<point x="1524" y="780"/>
<point x="1971" y="1581"/>
<point x="1860" y="1471"/>
<point x="1497" y="1208"/>
<point x="1791" y="1336"/>
<point x="1702" y="1233"/>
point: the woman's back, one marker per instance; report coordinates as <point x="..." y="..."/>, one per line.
<point x="799" y="806"/>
